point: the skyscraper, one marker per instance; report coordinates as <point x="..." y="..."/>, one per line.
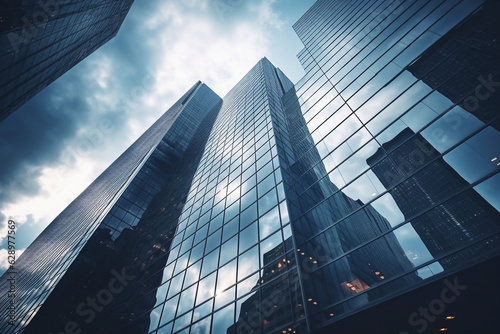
<point x="114" y="221"/>
<point x="42" y="40"/>
<point x="370" y="68"/>
<point x="287" y="208"/>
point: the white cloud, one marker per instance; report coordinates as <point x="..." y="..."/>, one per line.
<point x="267" y="15"/>
<point x="197" y="47"/>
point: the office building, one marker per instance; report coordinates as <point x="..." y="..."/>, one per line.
<point x="42" y="40"/>
<point x="114" y="221"/>
<point x="383" y="99"/>
<point x="363" y="199"/>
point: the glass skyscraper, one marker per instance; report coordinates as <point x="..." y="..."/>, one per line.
<point x="42" y="40"/>
<point x="344" y="203"/>
<point x="110" y="222"/>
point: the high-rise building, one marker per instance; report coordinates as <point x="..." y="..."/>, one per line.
<point x="393" y="131"/>
<point x="111" y="229"/>
<point x="362" y="199"/>
<point x="40" y="40"/>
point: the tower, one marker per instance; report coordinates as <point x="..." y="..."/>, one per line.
<point x="114" y="228"/>
<point x="42" y="40"/>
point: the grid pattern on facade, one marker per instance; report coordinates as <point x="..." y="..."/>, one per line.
<point x="234" y="218"/>
<point x="390" y="141"/>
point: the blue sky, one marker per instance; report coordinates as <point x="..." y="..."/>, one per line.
<point x="54" y="146"/>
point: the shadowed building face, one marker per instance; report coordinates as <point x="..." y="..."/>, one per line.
<point x="42" y="40"/>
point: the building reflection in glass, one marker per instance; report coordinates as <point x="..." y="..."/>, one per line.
<point x="347" y="249"/>
<point x="459" y="216"/>
<point x="276" y="299"/>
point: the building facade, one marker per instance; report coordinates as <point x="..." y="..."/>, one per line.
<point x="303" y="208"/>
<point x="42" y="40"/>
<point x="402" y="114"/>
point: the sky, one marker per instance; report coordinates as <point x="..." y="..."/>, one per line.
<point x="55" y="145"/>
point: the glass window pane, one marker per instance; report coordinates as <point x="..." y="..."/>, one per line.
<point x="229" y="250"/>
<point x="169" y="310"/>
<point x="267" y="201"/>
<point x="248" y="263"/>
<point x="203" y="310"/>
<point x="269" y="223"/>
<point x="224" y="297"/>
<point x="213" y="241"/>
<point x="201" y="327"/>
<point x="206" y="289"/>
<point x="248" y="237"/>
<point x="226" y="276"/>
<point x="210" y="262"/>
<point x="247" y="285"/>
<point x="192" y="274"/>
<point x="248" y="216"/>
<point x="223" y="319"/>
<point x="176" y="285"/>
<point x="230" y="229"/>
<point x="186" y="300"/>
